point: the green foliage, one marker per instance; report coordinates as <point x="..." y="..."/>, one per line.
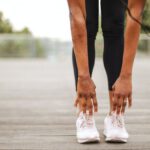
<point x="24" y="47"/>
<point x="6" y="26"/>
<point x="25" y="30"/>
<point x="146" y="14"/>
<point x="14" y="48"/>
<point x="40" y="51"/>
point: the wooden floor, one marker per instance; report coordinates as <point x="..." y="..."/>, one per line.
<point x="37" y="113"/>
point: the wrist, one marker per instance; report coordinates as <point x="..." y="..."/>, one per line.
<point x="83" y="74"/>
<point x="126" y="75"/>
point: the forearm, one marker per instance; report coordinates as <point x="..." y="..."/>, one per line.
<point x="79" y="35"/>
<point x="132" y="33"/>
<point x="131" y="42"/>
<point x="80" y="47"/>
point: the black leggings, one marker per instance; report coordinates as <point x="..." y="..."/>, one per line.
<point x="113" y="13"/>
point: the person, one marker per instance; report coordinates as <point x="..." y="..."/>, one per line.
<point x="118" y="58"/>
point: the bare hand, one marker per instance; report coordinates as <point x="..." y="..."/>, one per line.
<point x="86" y="95"/>
<point x="122" y="93"/>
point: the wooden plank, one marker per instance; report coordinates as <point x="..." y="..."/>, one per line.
<point x="37" y="113"/>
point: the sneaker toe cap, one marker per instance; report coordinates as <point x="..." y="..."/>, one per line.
<point x="90" y="135"/>
<point x="94" y="134"/>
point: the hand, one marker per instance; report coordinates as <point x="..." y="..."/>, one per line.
<point x="122" y="93"/>
<point x="86" y="95"/>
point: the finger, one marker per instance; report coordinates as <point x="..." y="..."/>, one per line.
<point x="114" y="102"/>
<point x="95" y="104"/>
<point x="79" y="95"/>
<point x="94" y="84"/>
<point x="113" y="87"/>
<point x="76" y="102"/>
<point x="124" y="105"/>
<point x="82" y="102"/>
<point x="89" y="106"/>
<point x="119" y="104"/>
<point x="130" y="100"/>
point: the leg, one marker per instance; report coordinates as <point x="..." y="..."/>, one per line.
<point x="113" y="15"/>
<point x="84" y="118"/>
<point x="92" y="15"/>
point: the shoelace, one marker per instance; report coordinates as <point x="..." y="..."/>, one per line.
<point x="86" y="121"/>
<point x="83" y="121"/>
<point x="120" y="122"/>
<point x="117" y="121"/>
<point x="89" y="121"/>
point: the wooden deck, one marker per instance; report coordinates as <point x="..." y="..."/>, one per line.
<point x="37" y="113"/>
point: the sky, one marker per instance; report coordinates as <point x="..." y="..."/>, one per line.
<point x="45" y="18"/>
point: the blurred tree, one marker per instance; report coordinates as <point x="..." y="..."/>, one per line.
<point x="6" y="26"/>
<point x="25" y="30"/>
<point x="146" y="14"/>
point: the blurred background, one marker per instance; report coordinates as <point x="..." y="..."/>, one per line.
<point x="37" y="87"/>
<point x="41" y="29"/>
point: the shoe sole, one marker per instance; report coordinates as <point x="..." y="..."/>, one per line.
<point x="115" y="139"/>
<point x="91" y="140"/>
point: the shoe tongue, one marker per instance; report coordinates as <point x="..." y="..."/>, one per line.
<point x="89" y="116"/>
<point x="90" y="120"/>
<point x="81" y="114"/>
<point x="114" y="115"/>
<point x="117" y="120"/>
<point x="120" y="120"/>
<point x="120" y="117"/>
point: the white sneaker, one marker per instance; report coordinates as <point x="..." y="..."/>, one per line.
<point x="86" y="129"/>
<point x="114" y="128"/>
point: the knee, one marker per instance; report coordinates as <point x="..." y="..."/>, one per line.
<point x="92" y="29"/>
<point x="113" y="26"/>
